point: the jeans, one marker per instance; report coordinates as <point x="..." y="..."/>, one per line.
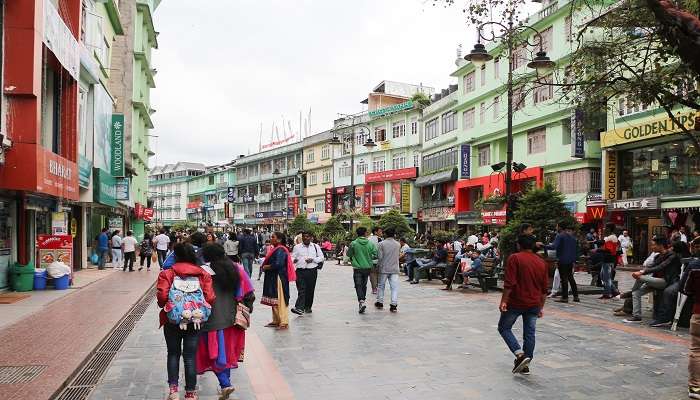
<point x="669" y="299"/>
<point x="146" y="258"/>
<point x="644" y="285"/>
<point x="116" y="257"/>
<point x="360" y="276"/>
<point x="180" y="342"/>
<point x="694" y="352"/>
<point x="306" y="287"/>
<point x="129" y="260"/>
<point x="505" y="325"/>
<point x="374" y="278"/>
<point x="161" y="257"/>
<point x="566" y="271"/>
<point x="102" y="254"/>
<point x="247" y="261"/>
<point x="421" y="265"/>
<point x="393" y="283"/>
<point x="606" y="278"/>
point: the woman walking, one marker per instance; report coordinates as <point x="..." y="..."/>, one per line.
<point x="145" y="252"/>
<point x="182" y="342"/>
<point x="222" y="342"/>
<point x="279" y="271"/>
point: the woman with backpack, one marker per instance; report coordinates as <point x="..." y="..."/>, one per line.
<point x="222" y="341"/>
<point x="279" y="271"/>
<point x="146" y="251"/>
<point x="185" y="293"/>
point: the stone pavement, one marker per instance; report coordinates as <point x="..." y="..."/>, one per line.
<point x="440" y="345"/>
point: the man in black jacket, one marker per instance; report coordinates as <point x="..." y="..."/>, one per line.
<point x="247" y="248"/>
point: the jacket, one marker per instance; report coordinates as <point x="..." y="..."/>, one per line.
<point x="565" y="245"/>
<point x="388" y="253"/>
<point x="665" y="266"/>
<point x="231" y="247"/>
<point x="247" y="244"/>
<point x="223" y="312"/>
<point x="166" y="278"/>
<point x="362" y="252"/>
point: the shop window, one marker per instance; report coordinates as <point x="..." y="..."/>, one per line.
<point x="662" y="169"/>
<point x="484" y="155"/>
<point x="377" y="193"/>
<point x="537" y="141"/>
<point x="395" y="193"/>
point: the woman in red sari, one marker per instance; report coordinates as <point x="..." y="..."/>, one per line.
<point x="221" y="344"/>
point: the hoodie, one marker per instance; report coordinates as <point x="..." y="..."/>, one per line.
<point x="166" y="278"/>
<point x="362" y="252"/>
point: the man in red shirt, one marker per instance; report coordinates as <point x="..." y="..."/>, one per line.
<point x="524" y="294"/>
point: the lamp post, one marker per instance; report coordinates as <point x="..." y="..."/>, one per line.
<point x="541" y="63"/>
<point x="369" y="144"/>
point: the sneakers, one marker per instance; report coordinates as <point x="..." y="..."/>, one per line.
<point x="633" y="320"/>
<point x="525" y="371"/>
<point x="620" y="312"/>
<point x="363" y="307"/>
<point x="693" y="392"/>
<point x="297" y="311"/>
<point x="191" y="395"/>
<point x="393" y="308"/>
<point x="225" y="393"/>
<point x="308" y="311"/>
<point x="379" y="305"/>
<point x="521" y="362"/>
<point x="173" y="394"/>
<point x="659" y="324"/>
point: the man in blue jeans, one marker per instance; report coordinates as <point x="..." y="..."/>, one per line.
<point x="524" y="294"/>
<point x="102" y="248"/>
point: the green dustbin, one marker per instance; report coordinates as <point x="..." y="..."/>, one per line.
<point x="22" y="277"/>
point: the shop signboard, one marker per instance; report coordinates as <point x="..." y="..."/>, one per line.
<point x="74" y="227"/>
<point x="148" y="214"/>
<point x="571" y="206"/>
<point x="577" y="137"/>
<point x="138" y="210"/>
<point x="649" y="129"/>
<point x="60" y="40"/>
<point x="104" y="190"/>
<point x="495" y="217"/>
<point x="84" y="171"/>
<point x="293" y="206"/>
<point x="117" y="145"/>
<point x="391" y="109"/>
<point x="269" y="214"/>
<point x="610" y="176"/>
<point x="55" y="248"/>
<point x="231" y="194"/>
<point x="122" y="189"/>
<point x="642" y="203"/>
<point x="593" y="198"/>
<point x="59" y="223"/>
<point x="405" y="197"/>
<point x="115" y="223"/>
<point x="328" y="200"/>
<point x="391" y="175"/>
<point x="438" y="214"/>
<point x="595" y="212"/>
<point x="466" y="156"/>
<point x="248" y="198"/>
<point x="367" y="203"/>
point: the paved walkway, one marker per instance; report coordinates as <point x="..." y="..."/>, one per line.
<point x="440" y="345"/>
<point x="58" y="337"/>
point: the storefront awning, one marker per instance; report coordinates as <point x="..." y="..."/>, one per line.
<point x="439" y="177"/>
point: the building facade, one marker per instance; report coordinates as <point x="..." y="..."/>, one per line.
<point x="207" y="196"/>
<point x="317" y="167"/>
<point x="168" y="191"/>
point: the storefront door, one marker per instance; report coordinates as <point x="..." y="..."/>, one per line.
<point x="7" y="239"/>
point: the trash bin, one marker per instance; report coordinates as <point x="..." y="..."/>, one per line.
<point x="62" y="282"/>
<point x="22" y="277"/>
<point x="39" y="279"/>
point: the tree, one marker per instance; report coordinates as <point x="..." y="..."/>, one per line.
<point x="300" y="224"/>
<point x="394" y="219"/>
<point x="332" y="227"/>
<point x="183" y="226"/>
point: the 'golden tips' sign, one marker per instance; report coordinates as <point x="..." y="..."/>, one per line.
<point x="647" y="129"/>
<point x="610" y="175"/>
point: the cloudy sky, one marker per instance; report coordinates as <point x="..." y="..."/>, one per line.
<point x="228" y="66"/>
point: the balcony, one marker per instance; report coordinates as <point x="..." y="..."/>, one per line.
<point x="438" y="203"/>
<point x="547" y="11"/>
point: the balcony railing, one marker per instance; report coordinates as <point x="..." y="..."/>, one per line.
<point x="438" y="203"/>
<point x="547" y="11"/>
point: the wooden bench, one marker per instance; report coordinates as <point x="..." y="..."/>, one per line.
<point x="488" y="277"/>
<point x="438" y="270"/>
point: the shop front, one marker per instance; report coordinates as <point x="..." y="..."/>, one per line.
<point x="641" y="217"/>
<point x="437" y="192"/>
<point x="387" y="190"/>
<point x="8" y="240"/>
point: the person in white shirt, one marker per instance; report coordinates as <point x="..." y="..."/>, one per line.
<point x="684" y="237"/>
<point x="308" y="258"/>
<point x="129" y="247"/>
<point x="625" y="244"/>
<point x="116" y="243"/>
<point x="457" y="245"/>
<point x="472" y="240"/>
<point x="161" y="242"/>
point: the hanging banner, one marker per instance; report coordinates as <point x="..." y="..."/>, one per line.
<point x="466" y="156"/>
<point x="148" y="214"/>
<point x="122" y="189"/>
<point x="138" y="210"/>
<point x="577" y="136"/>
<point x="59" y="223"/>
<point x="117" y="145"/>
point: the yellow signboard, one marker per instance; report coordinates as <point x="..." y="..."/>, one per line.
<point x="610" y="177"/>
<point x="648" y="129"/>
<point x="405" y="197"/>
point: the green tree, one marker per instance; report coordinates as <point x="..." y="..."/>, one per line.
<point x="332" y="227"/>
<point x="183" y="226"/>
<point x="300" y="224"/>
<point x="394" y="219"/>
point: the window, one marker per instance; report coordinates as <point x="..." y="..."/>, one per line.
<point x="449" y="121"/>
<point x="416" y="160"/>
<point x="398" y="161"/>
<point x="468" y="118"/>
<point x="344" y="171"/>
<point x="484" y="155"/>
<point x="362" y="168"/>
<point x="482" y="112"/>
<point x="518" y="98"/>
<point x="468" y="82"/>
<point x="483" y="75"/>
<point x="211" y="179"/>
<point x="313" y="179"/>
<point x="581" y="180"/>
<point x="414" y="126"/>
<point x="496" y="68"/>
<point x="319" y="205"/>
<point x="361" y="138"/>
<point x="566" y="131"/>
<point x="567" y="28"/>
<point x="378" y="164"/>
<point x="325" y="152"/>
<point x="496" y="102"/>
<point x="380" y="134"/>
<point x="444" y="159"/>
<point x="310" y="156"/>
<point x="537" y="141"/>
<point x="431" y="129"/>
<point x="326" y="176"/>
<point x="398" y="129"/>
<point x="547" y="42"/>
<point x="543" y="92"/>
<point x="519" y="57"/>
<point x="627" y="106"/>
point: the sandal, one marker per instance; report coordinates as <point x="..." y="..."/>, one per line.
<point x="282" y="327"/>
<point x="272" y="325"/>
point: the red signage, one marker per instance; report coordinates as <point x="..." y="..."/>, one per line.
<point x="497" y="217"/>
<point x="55" y="248"/>
<point x="32" y="168"/>
<point x="596" y="212"/>
<point x="367" y="202"/>
<point x="581" y="218"/>
<point x="392" y="175"/>
<point x="148" y="214"/>
<point x="138" y="210"/>
<point x="293" y="205"/>
<point x="328" y="200"/>
<point x="340" y="190"/>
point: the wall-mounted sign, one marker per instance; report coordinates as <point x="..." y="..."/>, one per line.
<point x="466" y="156"/>
<point x="496" y="217"/>
<point x="138" y="210"/>
<point x="578" y="139"/>
<point x="572" y="206"/>
<point x="391" y="175"/>
<point x="59" y="39"/>
<point x="248" y="198"/>
<point x="610" y="175"/>
<point x="643" y="203"/>
<point x="596" y="211"/>
<point x="269" y="214"/>
<point x="115" y="223"/>
<point x="647" y="130"/>
<point x="117" y="145"/>
<point x="122" y="189"/>
<point x="438" y="214"/>
<point x="391" y="109"/>
<point x="277" y="195"/>
<point x="594" y="198"/>
<point x="328" y="200"/>
<point x="405" y="197"/>
<point x="367" y="202"/>
<point x="84" y="171"/>
<point x="59" y="223"/>
<point x="231" y="194"/>
<point x="104" y="190"/>
<point x="148" y="214"/>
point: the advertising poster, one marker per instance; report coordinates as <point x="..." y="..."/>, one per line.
<point x="55" y="248"/>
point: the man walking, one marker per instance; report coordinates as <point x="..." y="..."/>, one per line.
<point x="625" y="246"/>
<point x="116" y="243"/>
<point x="524" y="295"/>
<point x="362" y="254"/>
<point x="388" y="253"/>
<point x="375" y="238"/>
<point x="306" y="256"/>
<point x="102" y="248"/>
<point x="248" y="248"/>
<point x="565" y="246"/>
<point x="129" y="247"/>
<point x="161" y="242"/>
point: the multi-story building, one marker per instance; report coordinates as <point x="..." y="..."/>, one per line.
<point x="549" y="140"/>
<point x="207" y="195"/>
<point x="383" y="174"/>
<point x="131" y="80"/>
<point x="268" y="187"/>
<point x="168" y="191"/>
<point x="317" y="166"/>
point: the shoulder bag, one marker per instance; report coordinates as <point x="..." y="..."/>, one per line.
<point x="320" y="265"/>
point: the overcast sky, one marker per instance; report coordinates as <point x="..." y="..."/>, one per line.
<point x="226" y="66"/>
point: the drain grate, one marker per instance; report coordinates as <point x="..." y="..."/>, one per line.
<point x="85" y="381"/>
<point x="20" y="374"/>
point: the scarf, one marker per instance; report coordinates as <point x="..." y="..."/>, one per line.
<point x="291" y="272"/>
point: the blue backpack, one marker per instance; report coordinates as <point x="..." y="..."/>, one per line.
<point x="186" y="303"/>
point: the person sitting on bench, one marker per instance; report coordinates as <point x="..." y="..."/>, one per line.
<point x="439" y="257"/>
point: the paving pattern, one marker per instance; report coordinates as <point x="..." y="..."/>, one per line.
<point x="440" y="345"/>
